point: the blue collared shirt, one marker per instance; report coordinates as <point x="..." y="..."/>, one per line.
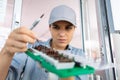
<point x="21" y="63"/>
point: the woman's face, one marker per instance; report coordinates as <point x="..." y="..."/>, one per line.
<point x="62" y="33"/>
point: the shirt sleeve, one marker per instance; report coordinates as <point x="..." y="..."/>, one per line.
<point x="77" y="78"/>
<point x="11" y="74"/>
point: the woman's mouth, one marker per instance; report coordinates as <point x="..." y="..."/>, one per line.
<point x="62" y="40"/>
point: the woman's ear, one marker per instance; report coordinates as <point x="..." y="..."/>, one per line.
<point x="49" y="25"/>
<point x="50" y="28"/>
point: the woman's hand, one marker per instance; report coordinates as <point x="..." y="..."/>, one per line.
<point x="17" y="41"/>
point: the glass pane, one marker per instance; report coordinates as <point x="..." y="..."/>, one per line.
<point x="92" y="37"/>
<point x="91" y="29"/>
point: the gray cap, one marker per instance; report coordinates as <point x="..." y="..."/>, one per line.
<point x="62" y="12"/>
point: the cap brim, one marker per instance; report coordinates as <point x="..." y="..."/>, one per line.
<point x="62" y="19"/>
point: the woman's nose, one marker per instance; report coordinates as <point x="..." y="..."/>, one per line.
<point x="61" y="33"/>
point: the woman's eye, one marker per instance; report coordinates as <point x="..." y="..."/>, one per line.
<point x="68" y="27"/>
<point x="56" y="27"/>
